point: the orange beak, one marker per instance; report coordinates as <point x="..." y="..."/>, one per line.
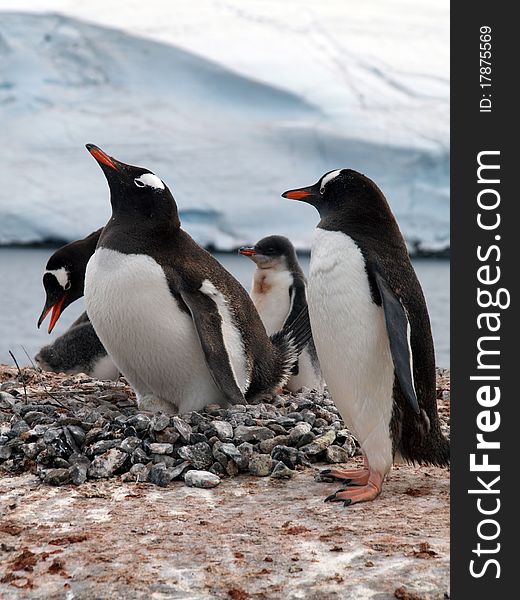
<point x="247" y="251"/>
<point x="101" y="157"/>
<point x="296" y="194"/>
<point x="56" y="312"/>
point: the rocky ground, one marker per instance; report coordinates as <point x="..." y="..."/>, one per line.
<point x="90" y="505"/>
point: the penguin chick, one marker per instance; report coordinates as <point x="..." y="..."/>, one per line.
<point x="78" y="350"/>
<point x="279" y="294"/>
<point x="372" y="331"/>
<point x="178" y="325"/>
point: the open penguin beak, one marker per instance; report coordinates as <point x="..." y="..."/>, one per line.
<point x="56" y="304"/>
<point x="306" y="194"/>
<point x="248" y="251"/>
<point x="102" y="158"/>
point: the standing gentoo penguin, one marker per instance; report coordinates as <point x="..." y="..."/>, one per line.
<point x="64" y="277"/>
<point x="279" y="295"/>
<point x="181" y="329"/>
<point x="78" y="350"/>
<point x="372" y="331"/>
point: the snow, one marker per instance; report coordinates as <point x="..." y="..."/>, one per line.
<point x="229" y="103"/>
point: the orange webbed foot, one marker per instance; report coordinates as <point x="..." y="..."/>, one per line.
<point x="366" y="492"/>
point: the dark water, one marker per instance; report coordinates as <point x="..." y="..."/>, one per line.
<point x="22" y="298"/>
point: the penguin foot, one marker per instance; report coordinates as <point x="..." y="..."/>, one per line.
<point x="349" y="477"/>
<point x="365" y="493"/>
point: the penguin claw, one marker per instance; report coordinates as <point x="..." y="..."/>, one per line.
<point x="347" y="502"/>
<point x="333" y="497"/>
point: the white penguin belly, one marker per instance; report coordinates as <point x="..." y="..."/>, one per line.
<point x="352" y="343"/>
<point x="151" y="340"/>
<point x="270" y="295"/>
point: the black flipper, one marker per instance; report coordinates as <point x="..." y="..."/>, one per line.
<point x="298" y="303"/>
<point x="298" y="300"/>
<point x="208" y="324"/>
<point x="398" y="328"/>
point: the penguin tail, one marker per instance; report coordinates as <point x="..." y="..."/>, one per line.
<point x="290" y="341"/>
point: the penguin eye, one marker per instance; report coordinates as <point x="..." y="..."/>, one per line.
<point x="67" y="285"/>
<point x="139" y="183"/>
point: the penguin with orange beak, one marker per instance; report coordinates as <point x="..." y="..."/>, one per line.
<point x="79" y="349"/>
<point x="372" y="332"/>
<point x="64" y="277"/>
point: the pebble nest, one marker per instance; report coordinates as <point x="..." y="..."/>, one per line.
<point x="70" y="429"/>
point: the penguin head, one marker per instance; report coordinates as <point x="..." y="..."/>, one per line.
<point x="136" y="191"/>
<point x="274" y="251"/>
<point x="63" y="285"/>
<point x="64" y="277"/>
<point x="339" y="191"/>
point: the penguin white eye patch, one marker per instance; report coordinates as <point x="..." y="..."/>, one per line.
<point x="332" y="175"/>
<point x="149" y="180"/>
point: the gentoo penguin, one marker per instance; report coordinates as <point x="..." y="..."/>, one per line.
<point x="64" y="276"/>
<point x="180" y="328"/>
<point x="279" y="294"/>
<point x="78" y="350"/>
<point x="372" y="331"/>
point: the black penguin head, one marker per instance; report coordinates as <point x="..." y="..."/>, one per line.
<point x="62" y="287"/>
<point x="64" y="277"/>
<point x="136" y="192"/>
<point x="274" y="251"/>
<point x="340" y="191"/>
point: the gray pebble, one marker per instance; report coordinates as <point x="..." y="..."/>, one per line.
<point x="178" y="469"/>
<point x="6" y="400"/>
<point x="167" y="436"/>
<point x="222" y="429"/>
<point x="34" y="417"/>
<point x="246" y="452"/>
<point x="160" y="475"/>
<point x="260" y="465"/>
<point x="336" y="454"/>
<point x="139" y="456"/>
<point x="282" y="471"/>
<point x="19" y="427"/>
<point x="297" y="432"/>
<point x="201" y="479"/>
<point x="217" y="469"/>
<point x="244" y="433"/>
<point x="159" y="422"/>
<point x="200" y="455"/>
<point x="138" y="473"/>
<point x="106" y="464"/>
<point x="169" y="461"/>
<point x="232" y="468"/>
<point x="78" y="473"/>
<point x="182" y="427"/>
<point x="319" y="444"/>
<point x="77" y="433"/>
<point x="5" y="452"/>
<point x="57" y="476"/>
<point x="156" y="448"/>
<point x="140" y="422"/>
<point x="130" y="444"/>
<point x="231" y="451"/>
<point x="286" y="454"/>
<point x="266" y="446"/>
<point x="102" y="446"/>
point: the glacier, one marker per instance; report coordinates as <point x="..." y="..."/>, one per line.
<point x="230" y="103"/>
